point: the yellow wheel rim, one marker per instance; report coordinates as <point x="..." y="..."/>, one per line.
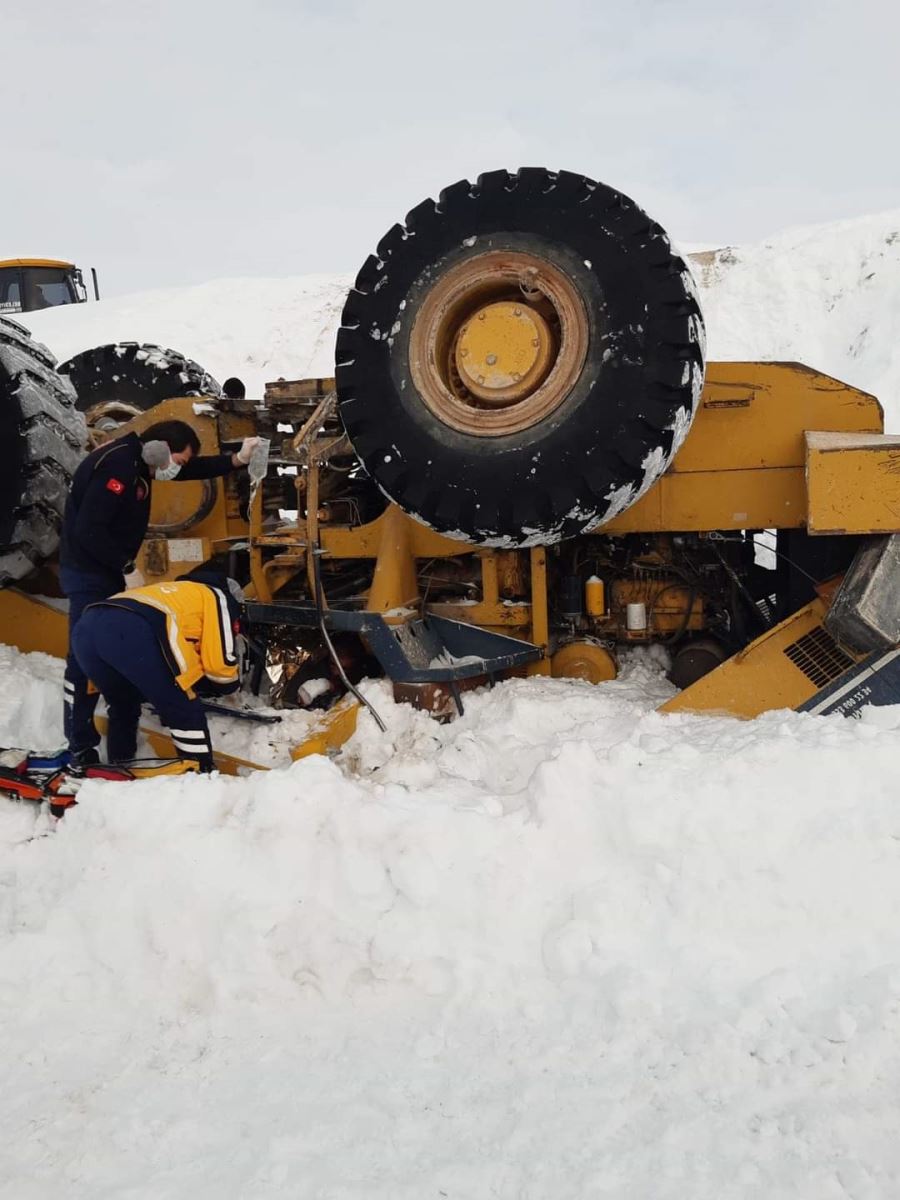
<point x="498" y="343"/>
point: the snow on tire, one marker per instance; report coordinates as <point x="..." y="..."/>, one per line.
<point x="43" y="438"/>
<point x="520" y="361"/>
<point x="133" y="377"/>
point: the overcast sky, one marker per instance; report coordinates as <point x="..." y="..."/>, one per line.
<point x="170" y="143"/>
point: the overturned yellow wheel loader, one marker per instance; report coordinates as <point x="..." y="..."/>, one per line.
<point x="524" y="465"/>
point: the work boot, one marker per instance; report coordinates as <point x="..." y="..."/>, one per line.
<point x="79" y="759"/>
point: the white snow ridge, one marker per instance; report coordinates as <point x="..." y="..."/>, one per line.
<point x="563" y="948"/>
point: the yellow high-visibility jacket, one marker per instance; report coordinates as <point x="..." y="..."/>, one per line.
<point x="196" y="624"/>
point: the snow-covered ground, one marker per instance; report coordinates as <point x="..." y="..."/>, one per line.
<point x="828" y="296"/>
<point x="564" y="947"/>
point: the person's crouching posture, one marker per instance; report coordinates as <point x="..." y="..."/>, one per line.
<point x="161" y="644"/>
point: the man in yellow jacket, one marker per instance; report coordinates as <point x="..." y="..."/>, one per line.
<point x="160" y="644"/>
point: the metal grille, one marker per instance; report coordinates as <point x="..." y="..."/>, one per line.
<point x="818" y="656"/>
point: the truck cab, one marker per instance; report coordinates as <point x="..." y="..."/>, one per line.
<point x="28" y="284"/>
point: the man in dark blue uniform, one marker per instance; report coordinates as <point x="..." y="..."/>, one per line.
<point x="105" y="521"/>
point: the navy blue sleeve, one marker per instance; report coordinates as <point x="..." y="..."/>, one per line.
<point x="206" y="466"/>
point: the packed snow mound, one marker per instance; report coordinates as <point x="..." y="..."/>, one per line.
<point x="257" y="329"/>
<point x="562" y="947"/>
<point x="827" y="296"/>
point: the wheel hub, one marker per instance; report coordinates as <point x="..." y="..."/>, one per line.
<point x="504" y="352"/>
<point x="498" y="343"/>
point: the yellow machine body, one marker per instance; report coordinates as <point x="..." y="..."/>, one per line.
<point x="772" y="446"/>
<point x="783" y="668"/>
<point x="743" y="464"/>
<point x="762" y="430"/>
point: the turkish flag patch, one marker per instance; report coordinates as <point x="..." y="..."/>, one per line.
<point x="115" y="485"/>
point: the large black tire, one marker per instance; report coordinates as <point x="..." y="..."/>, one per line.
<point x="43" y="438"/>
<point x="136" y="376"/>
<point x="621" y="419"/>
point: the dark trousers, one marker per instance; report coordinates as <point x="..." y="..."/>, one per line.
<point x="82" y="588"/>
<point x="119" y="652"/>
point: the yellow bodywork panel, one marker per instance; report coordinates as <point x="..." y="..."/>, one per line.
<point x="33" y="624"/>
<point x="755" y="415"/>
<point x="761" y="677"/>
<point x="336" y="727"/>
<point x="853" y="483"/>
<point x="764" y="498"/>
<point x="743" y="463"/>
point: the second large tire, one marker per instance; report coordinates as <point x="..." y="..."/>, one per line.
<point x="134" y="376"/>
<point x="611" y="399"/>
<point x="43" y="438"/>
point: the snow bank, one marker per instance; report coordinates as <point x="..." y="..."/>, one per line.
<point x="257" y="329"/>
<point x="563" y="947"/>
<point x="828" y="296"/>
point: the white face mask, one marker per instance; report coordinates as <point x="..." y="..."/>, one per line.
<point x="169" y="472"/>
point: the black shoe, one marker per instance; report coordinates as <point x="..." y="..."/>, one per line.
<point x="84" y="758"/>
